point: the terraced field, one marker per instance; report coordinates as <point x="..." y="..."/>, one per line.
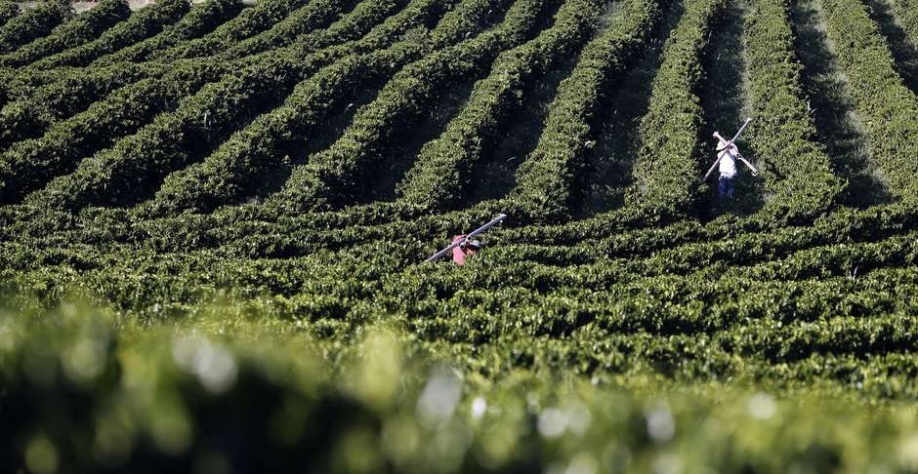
<point x="213" y="219"/>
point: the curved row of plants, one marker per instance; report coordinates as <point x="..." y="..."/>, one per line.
<point x="141" y="25"/>
<point x="547" y="181"/>
<point x="667" y="167"/>
<point x="242" y="232"/>
<point x="201" y="19"/>
<point x="127" y="109"/>
<point x="808" y="316"/>
<point x="250" y="22"/>
<point x="812" y="261"/>
<point x="778" y="323"/>
<point x="652" y="252"/>
<point x="762" y="327"/>
<point x="444" y="167"/>
<point x="134" y="168"/>
<point x="235" y="170"/>
<point x="33" y="24"/>
<point x="781" y="322"/>
<point x="360" y="271"/>
<point x="332" y="176"/>
<point x="766" y="348"/>
<point x="854" y="257"/>
<point x="8" y="11"/>
<point x="35" y="104"/>
<point x="216" y="20"/>
<point x="690" y="244"/>
<point x="31" y="113"/>
<point x="78" y="31"/>
<point x="581" y="241"/>
<point x="888" y="109"/>
<point x="795" y="168"/>
<point x="289" y="30"/>
<point x="28" y="165"/>
<point x="34" y="112"/>
<point x="788" y="254"/>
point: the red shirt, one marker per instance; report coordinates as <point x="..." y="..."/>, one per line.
<point x="461" y="252"/>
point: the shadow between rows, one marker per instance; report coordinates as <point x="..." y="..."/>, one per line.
<point x="725" y="101"/>
<point x="496" y="177"/>
<point x="902" y="48"/>
<point x="618" y="142"/>
<point x="837" y="124"/>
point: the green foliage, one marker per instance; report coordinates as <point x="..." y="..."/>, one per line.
<point x="302" y="22"/>
<point x="331" y="177"/>
<point x="908" y="17"/>
<point x="233" y="393"/>
<point x="8" y="11"/>
<point x="794" y="166"/>
<point x="34" y="109"/>
<point x="248" y="23"/>
<point x="32" y="24"/>
<point x="444" y="166"/>
<point x="175" y="139"/>
<point x="80" y="30"/>
<point x="28" y="164"/>
<point x="201" y="19"/>
<point x="145" y="23"/>
<point x="233" y="170"/>
<point x="888" y="107"/>
<point x="667" y="166"/>
<point x="547" y="180"/>
<point x="302" y="332"/>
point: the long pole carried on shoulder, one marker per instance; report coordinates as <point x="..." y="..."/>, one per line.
<point x="472" y="234"/>
<point x="724" y="152"/>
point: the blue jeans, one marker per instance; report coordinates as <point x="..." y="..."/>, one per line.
<point x="725" y="188"/>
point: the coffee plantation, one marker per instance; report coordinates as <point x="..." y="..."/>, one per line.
<point x="214" y="217"/>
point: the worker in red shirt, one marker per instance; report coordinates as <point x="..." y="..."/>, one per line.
<point x="464" y="250"/>
<point x="462" y="246"/>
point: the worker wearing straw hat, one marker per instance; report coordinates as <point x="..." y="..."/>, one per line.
<point x="728" y="153"/>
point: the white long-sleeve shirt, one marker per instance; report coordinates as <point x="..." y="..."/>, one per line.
<point x="728" y="162"/>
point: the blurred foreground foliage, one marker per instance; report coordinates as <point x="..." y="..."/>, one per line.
<point x="83" y="389"/>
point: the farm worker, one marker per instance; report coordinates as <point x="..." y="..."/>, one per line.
<point x="728" y="153"/>
<point x="464" y="250"/>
